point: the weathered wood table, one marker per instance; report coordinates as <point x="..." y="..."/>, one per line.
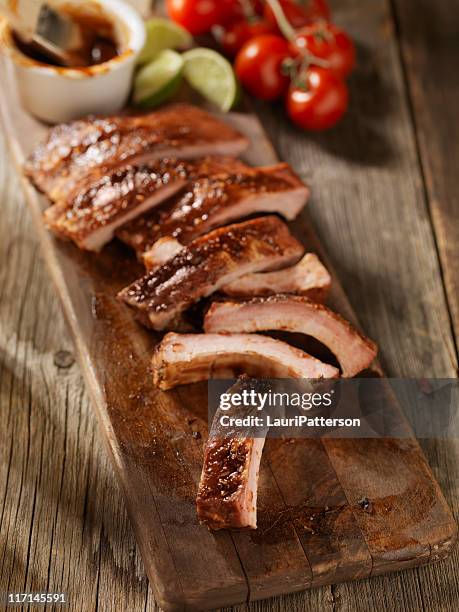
<point x="386" y="207"/>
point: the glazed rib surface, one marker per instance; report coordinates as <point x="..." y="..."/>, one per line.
<point x="90" y="215"/>
<point x="225" y="190"/>
<point x="228" y="488"/>
<point x="227" y="494"/>
<point x="209" y="263"/>
<point x="74" y="149"/>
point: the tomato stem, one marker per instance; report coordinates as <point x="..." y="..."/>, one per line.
<point x="289" y="33"/>
<point x="317" y="61"/>
<point x="284" y="24"/>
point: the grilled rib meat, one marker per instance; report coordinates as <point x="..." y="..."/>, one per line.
<point x="181" y="359"/>
<point x="102" y="203"/>
<point x="227" y="495"/>
<point x="73" y="149"/>
<point x="308" y="277"/>
<point x="295" y="314"/>
<point x="227" y="190"/>
<point x="90" y="215"/>
<point x="209" y="263"/>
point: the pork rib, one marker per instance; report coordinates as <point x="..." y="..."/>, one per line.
<point x="181" y="359"/>
<point x="308" y="277"/>
<point x="73" y="149"/>
<point x="209" y="263"/>
<point x="295" y="314"/>
<point x="228" y="190"/>
<point x="227" y="493"/>
<point x="90" y="214"/>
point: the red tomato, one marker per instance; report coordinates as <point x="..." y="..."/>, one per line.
<point x="238" y="34"/>
<point x="258" y="6"/>
<point x="237" y="10"/>
<point x="320" y="103"/>
<point x="231" y="11"/>
<point x="196" y="16"/>
<point x="259" y="66"/>
<point x="326" y="41"/>
<point x="299" y="13"/>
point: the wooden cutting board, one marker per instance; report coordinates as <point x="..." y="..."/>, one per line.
<point x="314" y="528"/>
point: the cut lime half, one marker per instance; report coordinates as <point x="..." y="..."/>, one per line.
<point x="158" y="81"/>
<point x="163" y="34"/>
<point x="212" y="75"/>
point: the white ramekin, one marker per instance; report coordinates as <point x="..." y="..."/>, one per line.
<point x="56" y="94"/>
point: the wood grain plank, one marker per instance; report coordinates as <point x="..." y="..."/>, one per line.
<point x="400" y="500"/>
<point x="63" y="521"/>
<point x="317" y="505"/>
<point x="429" y="43"/>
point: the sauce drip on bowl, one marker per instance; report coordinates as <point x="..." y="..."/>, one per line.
<point x="98" y="41"/>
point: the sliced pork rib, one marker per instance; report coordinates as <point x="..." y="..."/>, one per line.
<point x="181" y="359"/>
<point x="308" y="277"/>
<point x="295" y="314"/>
<point x="227" y="494"/>
<point x="226" y="191"/>
<point x="73" y="149"/>
<point x="209" y="263"/>
<point x="90" y="214"/>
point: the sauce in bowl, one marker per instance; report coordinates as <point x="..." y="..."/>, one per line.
<point x="100" y="79"/>
<point x="98" y="43"/>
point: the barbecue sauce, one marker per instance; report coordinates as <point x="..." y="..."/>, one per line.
<point x="98" y="41"/>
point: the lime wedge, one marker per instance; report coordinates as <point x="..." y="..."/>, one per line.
<point x="158" y="81"/>
<point x="212" y="75"/>
<point x="163" y="34"/>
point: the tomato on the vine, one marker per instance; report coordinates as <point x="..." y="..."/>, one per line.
<point x="236" y="35"/>
<point x="329" y="43"/>
<point x="259" y="66"/>
<point x="196" y="16"/>
<point x="231" y="11"/>
<point x="319" y="102"/>
<point x="299" y="13"/>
